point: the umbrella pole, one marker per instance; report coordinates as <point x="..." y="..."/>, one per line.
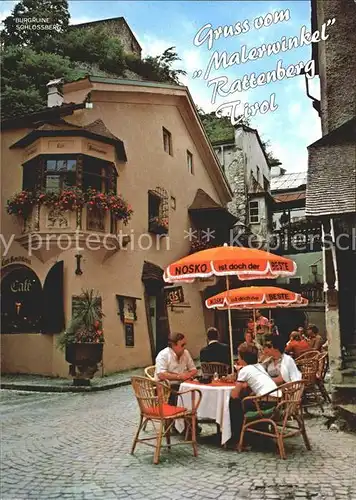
<point x="254" y="322"/>
<point x="269" y="319"/>
<point x="230" y="329"/>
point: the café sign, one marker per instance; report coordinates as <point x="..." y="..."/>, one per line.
<point x="21" y="286"/>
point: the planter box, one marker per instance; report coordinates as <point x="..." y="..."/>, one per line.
<point x="84" y="353"/>
<point x="156" y="228"/>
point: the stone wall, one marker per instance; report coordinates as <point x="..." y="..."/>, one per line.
<point x="337" y="63"/>
<point x="118" y="27"/>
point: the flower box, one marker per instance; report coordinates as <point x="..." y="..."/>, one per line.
<point x="158" y="226"/>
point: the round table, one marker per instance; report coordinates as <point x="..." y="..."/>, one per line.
<point x="214" y="405"/>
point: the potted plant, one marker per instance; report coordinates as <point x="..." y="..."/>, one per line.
<point x="83" y="340"/>
<point x="21" y="203"/>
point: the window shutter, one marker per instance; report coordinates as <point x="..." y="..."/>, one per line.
<point x="53" y="300"/>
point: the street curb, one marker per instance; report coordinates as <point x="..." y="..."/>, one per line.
<point x="52" y="388"/>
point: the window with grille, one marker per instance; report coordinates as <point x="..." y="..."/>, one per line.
<point x="167" y="141"/>
<point x="254" y="212"/>
<point x="190" y="162"/>
<point x="158" y="211"/>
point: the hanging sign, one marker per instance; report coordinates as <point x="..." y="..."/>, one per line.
<point x="174" y="295"/>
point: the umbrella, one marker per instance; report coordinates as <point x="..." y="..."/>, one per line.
<point x="245" y="263"/>
<point x="256" y="297"/>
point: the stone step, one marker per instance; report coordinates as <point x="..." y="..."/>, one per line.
<point x="351" y="350"/>
<point x="349" y="375"/>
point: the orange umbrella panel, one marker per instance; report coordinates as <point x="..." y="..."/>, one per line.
<point x="253" y="297"/>
<point x="246" y="263"/>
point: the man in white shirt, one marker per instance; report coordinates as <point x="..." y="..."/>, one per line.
<point x="174" y="363"/>
<point x="251" y="377"/>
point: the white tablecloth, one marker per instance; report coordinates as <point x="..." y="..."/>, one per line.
<point x="214" y="405"/>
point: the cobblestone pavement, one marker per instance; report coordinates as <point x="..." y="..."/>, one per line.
<point x="76" y="446"/>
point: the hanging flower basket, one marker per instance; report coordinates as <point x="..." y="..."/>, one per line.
<point x="21" y="203"/>
<point x="120" y="209"/>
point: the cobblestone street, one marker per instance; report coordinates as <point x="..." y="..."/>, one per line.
<point x="76" y="446"/>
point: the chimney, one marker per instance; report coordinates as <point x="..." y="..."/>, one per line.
<point x="54" y="96"/>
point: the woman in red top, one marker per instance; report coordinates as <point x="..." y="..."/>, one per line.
<point x="297" y="345"/>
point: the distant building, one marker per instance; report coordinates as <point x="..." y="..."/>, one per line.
<point x="246" y="167"/>
<point x="299" y="239"/>
<point x="118" y="27"/>
<point x="331" y="187"/>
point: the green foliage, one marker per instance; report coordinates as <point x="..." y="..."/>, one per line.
<point x="24" y="76"/>
<point x="94" y="45"/>
<point x="33" y="57"/>
<point x="45" y="14"/>
<point x="158" y="68"/>
<point x="273" y="162"/>
<point x="85" y="325"/>
<point x="217" y="129"/>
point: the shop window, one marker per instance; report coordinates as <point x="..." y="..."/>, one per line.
<point x="190" y="162"/>
<point x="21" y="301"/>
<point x="167" y="141"/>
<point x="254" y="212"/>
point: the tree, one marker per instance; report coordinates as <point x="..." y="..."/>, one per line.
<point x="50" y="16"/>
<point x="33" y="57"/>
<point x="158" y="68"/>
<point x="24" y="76"/>
<point x="218" y="128"/>
<point x="273" y="162"/>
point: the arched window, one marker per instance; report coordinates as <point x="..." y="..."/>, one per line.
<point x="21" y="300"/>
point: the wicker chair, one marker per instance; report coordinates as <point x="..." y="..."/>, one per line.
<point x="150" y="372"/>
<point x="285" y="419"/>
<point x="152" y="399"/>
<point x="308" y="355"/>
<point x="309" y="368"/>
<point x="210" y="368"/>
<point x="320" y="375"/>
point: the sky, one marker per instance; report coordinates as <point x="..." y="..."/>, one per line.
<point x="158" y="25"/>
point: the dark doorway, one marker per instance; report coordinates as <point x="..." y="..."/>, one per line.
<point x="156" y="308"/>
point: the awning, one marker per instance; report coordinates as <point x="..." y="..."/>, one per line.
<point x="203" y="204"/>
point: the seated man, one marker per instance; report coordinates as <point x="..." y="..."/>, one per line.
<point x="174" y="363"/>
<point x="251" y="377"/>
<point x="215" y="351"/>
<point x="249" y="343"/>
<point x="315" y="339"/>
<point x="297" y="345"/>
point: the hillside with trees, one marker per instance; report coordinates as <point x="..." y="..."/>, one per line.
<point x="31" y="58"/>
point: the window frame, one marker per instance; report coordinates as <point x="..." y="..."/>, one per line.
<point x="167" y="133"/>
<point x="191" y="164"/>
<point x="253" y="215"/>
<point x="61" y="174"/>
